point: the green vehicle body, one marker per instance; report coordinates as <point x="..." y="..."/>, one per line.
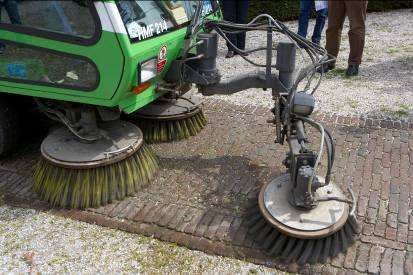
<point x="115" y="56"/>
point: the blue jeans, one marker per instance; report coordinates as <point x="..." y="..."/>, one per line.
<point x="306" y="7"/>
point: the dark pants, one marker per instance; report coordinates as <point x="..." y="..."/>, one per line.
<point x="306" y="7"/>
<point x="235" y="11"/>
<point x="12" y="10"/>
<point x="356" y="12"/>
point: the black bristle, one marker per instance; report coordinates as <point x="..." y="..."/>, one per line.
<point x="298" y="248"/>
<point x="288" y="248"/>
<point x="315" y="256"/>
<point x="325" y="253"/>
<point x="343" y="239"/>
<point x="263" y="234"/>
<point x="278" y="245"/>
<point x="253" y="219"/>
<point x="307" y="253"/>
<point x="335" y="245"/>
<point x="269" y="241"/>
<point x="257" y="227"/>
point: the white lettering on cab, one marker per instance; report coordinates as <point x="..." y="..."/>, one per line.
<point x="143" y="32"/>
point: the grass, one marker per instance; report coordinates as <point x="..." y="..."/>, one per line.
<point x="392" y="50"/>
<point x="402" y="111"/>
<point x="353" y="104"/>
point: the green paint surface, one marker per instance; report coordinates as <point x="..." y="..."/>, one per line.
<point x="116" y="59"/>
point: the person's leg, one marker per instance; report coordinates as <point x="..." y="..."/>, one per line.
<point x="356" y="12"/>
<point x="13" y="11"/>
<point x="319" y="26"/>
<point x="336" y="16"/>
<point x="242" y="13"/>
<point x="306" y="7"/>
<point x="2" y="46"/>
<point x="229" y="10"/>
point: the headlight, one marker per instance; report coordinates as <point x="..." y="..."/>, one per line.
<point x="147" y="70"/>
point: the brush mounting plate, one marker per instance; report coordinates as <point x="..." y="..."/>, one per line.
<point x="171" y="109"/>
<point x="325" y="219"/>
<point x="120" y="140"/>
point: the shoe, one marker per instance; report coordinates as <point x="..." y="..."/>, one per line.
<point x="325" y="68"/>
<point x="230" y="54"/>
<point x="352" y="70"/>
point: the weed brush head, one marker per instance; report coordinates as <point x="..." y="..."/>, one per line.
<point x="302" y="236"/>
<point x="72" y="174"/>
<point x="170" y="119"/>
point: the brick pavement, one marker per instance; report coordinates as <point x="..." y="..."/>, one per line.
<point x="207" y="183"/>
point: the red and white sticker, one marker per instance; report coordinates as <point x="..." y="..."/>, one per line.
<point x="162" y="58"/>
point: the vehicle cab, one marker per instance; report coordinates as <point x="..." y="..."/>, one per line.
<point x="106" y="53"/>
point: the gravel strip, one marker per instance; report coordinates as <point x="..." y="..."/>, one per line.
<point x="32" y="241"/>
<point x="384" y="86"/>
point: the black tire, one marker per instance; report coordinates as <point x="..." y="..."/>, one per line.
<point x="10" y="129"/>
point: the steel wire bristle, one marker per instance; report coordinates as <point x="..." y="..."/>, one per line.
<point x="94" y="187"/>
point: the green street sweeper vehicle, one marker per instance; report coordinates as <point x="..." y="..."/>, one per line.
<point x="84" y="64"/>
<point x="116" y="74"/>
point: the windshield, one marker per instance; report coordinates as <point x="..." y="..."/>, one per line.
<point x="146" y="19"/>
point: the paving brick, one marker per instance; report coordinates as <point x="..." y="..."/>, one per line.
<point x="403" y="214"/>
<point x="374" y="259"/>
<point x="402" y="232"/>
<point x="202" y="226"/>
<point x="380" y="229"/>
<point x="410" y="237"/>
<point x="213" y="227"/>
<point x="382" y="213"/>
<point x="374" y="199"/>
<point x="363" y="257"/>
<point x="224" y="229"/>
<point x="368" y="229"/>
<point x="383" y="242"/>
<point x="371" y="216"/>
<point x="350" y="259"/>
<point x="362" y="206"/>
<point x="394" y="203"/>
<point x="386" y="263"/>
<point x="196" y="218"/>
<point x="177" y="219"/>
<point x="392" y="220"/>
<point x="391" y="233"/>
<point x="398" y="262"/>
<point x="385" y="190"/>
<point x="408" y="265"/>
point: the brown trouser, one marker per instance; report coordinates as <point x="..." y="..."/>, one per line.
<point x="356" y="11"/>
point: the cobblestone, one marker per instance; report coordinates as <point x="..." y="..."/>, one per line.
<point x="204" y="189"/>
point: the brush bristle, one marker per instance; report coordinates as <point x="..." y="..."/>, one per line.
<point x="302" y="251"/>
<point x="155" y="131"/>
<point x="84" y="188"/>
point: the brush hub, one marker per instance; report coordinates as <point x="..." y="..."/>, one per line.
<point x="171" y="109"/>
<point x="325" y="219"/>
<point x="119" y="140"/>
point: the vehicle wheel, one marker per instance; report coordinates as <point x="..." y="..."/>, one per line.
<point x="9" y="127"/>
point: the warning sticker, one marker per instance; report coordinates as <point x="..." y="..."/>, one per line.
<point x="162" y="58"/>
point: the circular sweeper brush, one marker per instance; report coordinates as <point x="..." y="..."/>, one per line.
<point x="304" y="236"/>
<point x="171" y="119"/>
<point x="75" y="174"/>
